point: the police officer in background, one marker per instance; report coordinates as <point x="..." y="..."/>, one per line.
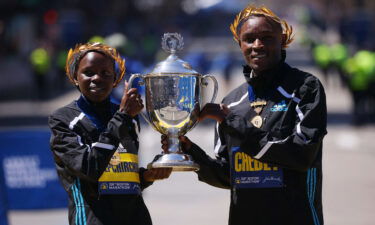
<point x="269" y="131"/>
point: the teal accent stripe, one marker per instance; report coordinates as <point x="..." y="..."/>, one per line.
<point x="77" y="205"/>
<point x="308" y="193"/>
<point x="311" y="186"/>
<point x="313" y="195"/>
<point x="82" y="203"/>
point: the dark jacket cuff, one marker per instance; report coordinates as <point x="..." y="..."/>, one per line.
<point x="199" y="156"/>
<point x="144" y="184"/>
<point x="234" y="125"/>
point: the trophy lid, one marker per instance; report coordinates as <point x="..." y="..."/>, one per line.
<point x="173" y="42"/>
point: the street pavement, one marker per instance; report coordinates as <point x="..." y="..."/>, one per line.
<point x="348" y="164"/>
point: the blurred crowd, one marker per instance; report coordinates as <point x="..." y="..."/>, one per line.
<point x="35" y="36"/>
<point x="343" y="48"/>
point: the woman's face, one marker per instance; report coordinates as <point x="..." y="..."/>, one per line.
<point x="95" y="76"/>
<point x="261" y="43"/>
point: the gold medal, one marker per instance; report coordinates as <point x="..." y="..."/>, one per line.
<point x="257" y="121"/>
<point x="260" y="103"/>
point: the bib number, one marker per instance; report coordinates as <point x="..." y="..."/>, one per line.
<point x="251" y="173"/>
<point x="121" y="175"/>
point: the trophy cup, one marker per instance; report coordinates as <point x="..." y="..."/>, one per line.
<point x="173" y="102"/>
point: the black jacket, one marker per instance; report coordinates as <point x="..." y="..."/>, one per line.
<point x="274" y="172"/>
<point x="84" y="139"/>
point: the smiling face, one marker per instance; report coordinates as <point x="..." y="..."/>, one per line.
<point x="261" y="41"/>
<point x="95" y="76"/>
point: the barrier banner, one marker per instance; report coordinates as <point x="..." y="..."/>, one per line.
<point x="3" y="200"/>
<point x="30" y="176"/>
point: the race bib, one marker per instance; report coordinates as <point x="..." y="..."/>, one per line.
<point x="121" y="175"/>
<point x="251" y="173"/>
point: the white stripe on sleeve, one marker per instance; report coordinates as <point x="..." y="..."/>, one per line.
<point x="75" y="120"/>
<point x="266" y="147"/>
<point x="239" y="101"/>
<point x="102" y="145"/>
<point x="218" y="142"/>
<point x="298" y="110"/>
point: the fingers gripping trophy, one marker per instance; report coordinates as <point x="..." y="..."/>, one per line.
<point x="173" y="101"/>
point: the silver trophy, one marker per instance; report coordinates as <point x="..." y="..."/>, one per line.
<point x="173" y="102"/>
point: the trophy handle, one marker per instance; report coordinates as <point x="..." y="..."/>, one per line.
<point x="131" y="79"/>
<point x="216" y="86"/>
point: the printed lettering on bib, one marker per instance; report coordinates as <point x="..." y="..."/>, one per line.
<point x="121" y="175"/>
<point x="251" y="173"/>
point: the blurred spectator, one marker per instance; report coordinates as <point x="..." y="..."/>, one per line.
<point x="357" y="73"/>
<point x="322" y="57"/>
<point x="340" y="54"/>
<point x="96" y="38"/>
<point x="40" y="64"/>
<point x="360" y="70"/>
<point x="60" y="64"/>
<point x="330" y="59"/>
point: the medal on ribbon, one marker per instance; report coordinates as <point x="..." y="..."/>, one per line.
<point x="257" y="120"/>
<point x="258" y="106"/>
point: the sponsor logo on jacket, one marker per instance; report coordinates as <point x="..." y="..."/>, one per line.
<point x="280" y="107"/>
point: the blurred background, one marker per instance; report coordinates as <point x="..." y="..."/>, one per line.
<point x="334" y="40"/>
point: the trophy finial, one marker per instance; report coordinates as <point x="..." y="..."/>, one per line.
<point x="172" y="42"/>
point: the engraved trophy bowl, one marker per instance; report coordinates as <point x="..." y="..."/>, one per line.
<point x="173" y="94"/>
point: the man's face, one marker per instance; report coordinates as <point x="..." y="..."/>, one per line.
<point x="95" y="76"/>
<point x="261" y="43"/>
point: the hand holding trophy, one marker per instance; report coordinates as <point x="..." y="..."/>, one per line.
<point x="173" y="102"/>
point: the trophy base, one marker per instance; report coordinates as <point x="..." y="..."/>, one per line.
<point x="178" y="162"/>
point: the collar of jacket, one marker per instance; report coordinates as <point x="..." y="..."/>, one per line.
<point x="267" y="80"/>
<point x="99" y="113"/>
